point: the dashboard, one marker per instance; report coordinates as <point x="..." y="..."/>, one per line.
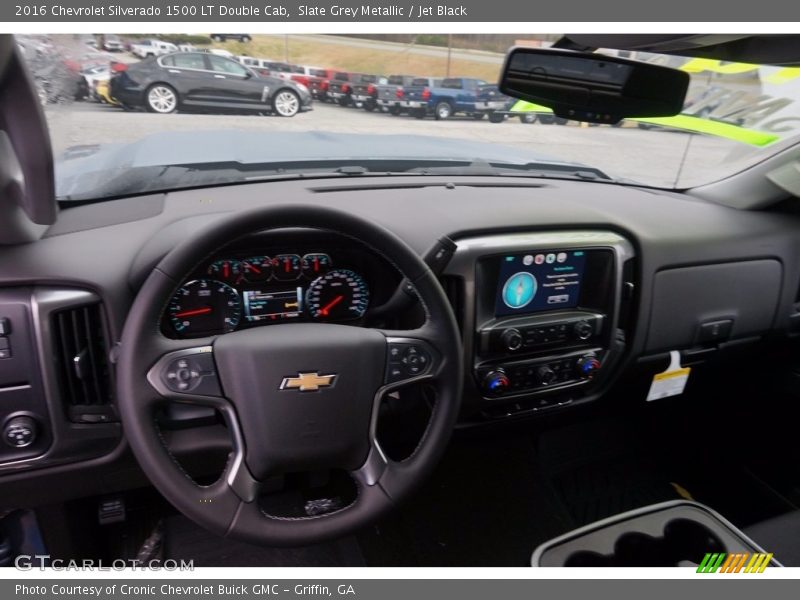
<point x="560" y="288"/>
<point x="254" y="284"/>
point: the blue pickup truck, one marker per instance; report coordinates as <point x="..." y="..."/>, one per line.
<point x="450" y="96"/>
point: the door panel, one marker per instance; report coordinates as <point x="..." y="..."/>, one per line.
<point x="235" y="85"/>
<point x="188" y="74"/>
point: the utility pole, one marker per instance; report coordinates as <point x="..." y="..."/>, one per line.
<point x="449" y="50"/>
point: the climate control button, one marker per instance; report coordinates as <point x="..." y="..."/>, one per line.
<point x="583" y="330"/>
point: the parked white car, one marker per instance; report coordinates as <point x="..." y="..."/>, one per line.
<point x="221" y="52"/>
<point x="147" y="48"/>
<point x="267" y="66"/>
<point x="112" y="43"/>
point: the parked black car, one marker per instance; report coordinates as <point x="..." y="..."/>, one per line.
<point x="203" y="81"/>
<point x="224" y="37"/>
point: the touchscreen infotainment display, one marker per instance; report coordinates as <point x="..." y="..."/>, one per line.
<point x="536" y="281"/>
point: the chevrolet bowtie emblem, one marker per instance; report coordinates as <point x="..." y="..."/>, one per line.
<point x="307" y="382"/>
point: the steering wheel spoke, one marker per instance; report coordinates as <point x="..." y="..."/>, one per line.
<point x="412" y="357"/>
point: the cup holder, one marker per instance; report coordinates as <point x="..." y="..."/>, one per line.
<point x="683" y="540"/>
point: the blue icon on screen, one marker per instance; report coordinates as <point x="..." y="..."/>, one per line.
<point x="519" y="290"/>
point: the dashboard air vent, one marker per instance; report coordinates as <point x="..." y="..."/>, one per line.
<point x="81" y="354"/>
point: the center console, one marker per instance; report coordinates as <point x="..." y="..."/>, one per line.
<point x="669" y="534"/>
<point x="541" y="316"/>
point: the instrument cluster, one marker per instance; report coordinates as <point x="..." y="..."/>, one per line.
<point x="250" y="289"/>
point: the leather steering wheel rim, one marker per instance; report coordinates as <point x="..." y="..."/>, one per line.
<point x="229" y="506"/>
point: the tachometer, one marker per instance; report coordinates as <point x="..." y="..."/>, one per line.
<point x="339" y="295"/>
<point x="204" y="307"/>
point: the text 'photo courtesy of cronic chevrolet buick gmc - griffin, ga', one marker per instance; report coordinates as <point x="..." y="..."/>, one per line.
<point x="465" y="300"/>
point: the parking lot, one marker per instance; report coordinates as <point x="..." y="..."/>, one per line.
<point x="653" y="156"/>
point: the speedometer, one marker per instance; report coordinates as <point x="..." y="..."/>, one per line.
<point x="204" y="307"/>
<point x="341" y="294"/>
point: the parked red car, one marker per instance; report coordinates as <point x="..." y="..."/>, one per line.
<point x="319" y="82"/>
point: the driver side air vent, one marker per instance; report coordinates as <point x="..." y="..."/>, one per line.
<point x="81" y="355"/>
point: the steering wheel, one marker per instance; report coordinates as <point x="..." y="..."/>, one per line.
<point x="295" y="397"/>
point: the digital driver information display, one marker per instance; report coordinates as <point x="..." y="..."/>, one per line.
<point x="537" y="281"/>
<point x="272" y="306"/>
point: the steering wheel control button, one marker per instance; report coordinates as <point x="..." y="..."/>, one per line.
<point x="407" y="360"/>
<point x="415" y="360"/>
<point x="395" y="373"/>
<point x="191" y="373"/>
<point x="20" y="432"/>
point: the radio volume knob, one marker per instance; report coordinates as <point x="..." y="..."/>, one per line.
<point x="512" y="339"/>
<point x="496" y="382"/>
<point x="583" y="330"/>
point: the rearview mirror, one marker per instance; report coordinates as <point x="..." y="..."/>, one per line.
<point x="593" y="87"/>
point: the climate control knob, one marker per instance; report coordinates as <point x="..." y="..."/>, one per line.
<point x="545" y="375"/>
<point x="496" y="382"/>
<point x="587" y="366"/>
<point x="512" y="339"/>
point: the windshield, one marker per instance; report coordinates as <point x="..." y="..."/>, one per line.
<point x="153" y="113"/>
